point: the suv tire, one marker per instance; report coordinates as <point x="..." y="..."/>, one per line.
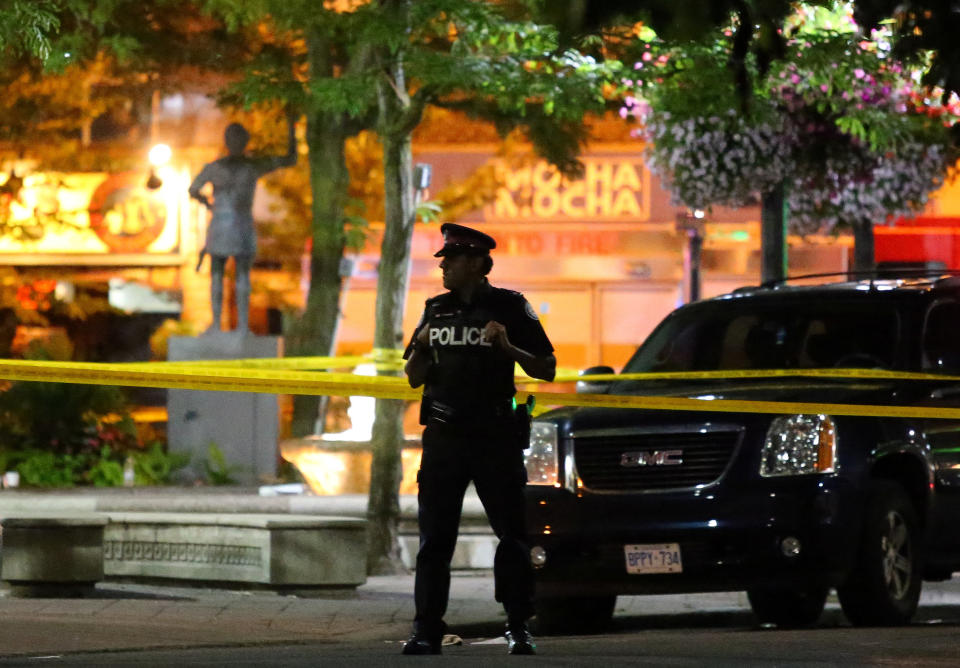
<point x="884" y="586"/>
<point x="788" y="608"/>
<point x="574" y="614"/>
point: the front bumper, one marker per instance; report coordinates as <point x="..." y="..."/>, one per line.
<point x="729" y="539"/>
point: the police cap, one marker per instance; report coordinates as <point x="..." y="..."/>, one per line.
<point x="459" y="239"/>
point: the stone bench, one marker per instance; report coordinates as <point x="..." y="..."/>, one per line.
<point x="475" y="548"/>
<point x="276" y="551"/>
<point x="51" y="555"/>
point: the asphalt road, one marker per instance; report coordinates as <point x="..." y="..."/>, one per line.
<point x="720" y="638"/>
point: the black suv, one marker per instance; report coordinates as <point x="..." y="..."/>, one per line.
<point x="632" y="501"/>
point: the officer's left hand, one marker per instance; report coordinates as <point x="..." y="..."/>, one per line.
<point x="496" y="334"/>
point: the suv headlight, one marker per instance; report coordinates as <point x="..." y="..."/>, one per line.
<point x="541" y="458"/>
<point x="799" y="444"/>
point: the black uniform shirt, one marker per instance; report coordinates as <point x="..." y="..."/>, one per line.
<point x="468" y="371"/>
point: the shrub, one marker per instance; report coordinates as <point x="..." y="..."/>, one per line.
<point x="104" y="470"/>
<point x="47" y="469"/>
<point x="154" y="466"/>
<point x="218" y="470"/>
<point x="63" y="418"/>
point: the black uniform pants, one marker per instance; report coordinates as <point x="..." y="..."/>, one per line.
<point x="487" y="454"/>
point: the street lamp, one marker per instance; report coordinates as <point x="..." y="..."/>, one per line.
<point x="422" y="173"/>
<point x="158" y="156"/>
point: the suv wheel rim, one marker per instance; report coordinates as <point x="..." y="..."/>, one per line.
<point x="895" y="548"/>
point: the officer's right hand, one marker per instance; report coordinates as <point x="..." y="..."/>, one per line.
<point x="496" y="333"/>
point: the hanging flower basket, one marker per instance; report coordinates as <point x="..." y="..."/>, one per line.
<point x="847" y="129"/>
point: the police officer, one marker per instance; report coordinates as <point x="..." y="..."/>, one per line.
<point x="463" y="353"/>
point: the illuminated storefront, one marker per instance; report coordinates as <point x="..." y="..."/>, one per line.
<point x="599" y="258"/>
<point x="91" y="218"/>
<point x="70" y="237"/>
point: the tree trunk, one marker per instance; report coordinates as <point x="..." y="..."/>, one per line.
<point x="314" y="333"/>
<point x="383" y="509"/>
<point x="864" y="256"/>
<point x="773" y="235"/>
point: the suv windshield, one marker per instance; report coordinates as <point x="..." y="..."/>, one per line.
<point x="751" y="334"/>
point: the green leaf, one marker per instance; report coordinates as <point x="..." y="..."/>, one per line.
<point x="852" y="127"/>
<point x="429" y="211"/>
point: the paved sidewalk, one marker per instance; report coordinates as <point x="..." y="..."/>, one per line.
<point x="139" y="616"/>
<point x="131" y="616"/>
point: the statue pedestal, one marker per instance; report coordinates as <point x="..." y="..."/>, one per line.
<point x="244" y="425"/>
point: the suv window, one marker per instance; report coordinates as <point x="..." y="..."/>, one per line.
<point x="772" y="336"/>
<point x="941" y="350"/>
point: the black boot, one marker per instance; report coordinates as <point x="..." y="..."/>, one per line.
<point x="519" y="640"/>
<point x="421" y="645"/>
<point x="426" y="639"/>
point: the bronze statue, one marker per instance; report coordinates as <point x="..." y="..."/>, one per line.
<point x="230" y="232"/>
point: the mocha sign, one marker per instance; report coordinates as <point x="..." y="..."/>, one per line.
<point x="613" y="188"/>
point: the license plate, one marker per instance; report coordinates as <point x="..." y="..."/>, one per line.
<point x="659" y="558"/>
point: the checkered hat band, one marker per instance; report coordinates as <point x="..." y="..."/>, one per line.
<point x="462" y="240"/>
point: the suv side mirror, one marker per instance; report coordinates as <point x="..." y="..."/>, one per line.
<point x="944" y="361"/>
<point x="594" y="386"/>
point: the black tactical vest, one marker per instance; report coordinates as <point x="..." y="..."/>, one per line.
<point x="470" y="373"/>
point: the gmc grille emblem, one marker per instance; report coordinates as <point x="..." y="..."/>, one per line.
<point x="654" y="458"/>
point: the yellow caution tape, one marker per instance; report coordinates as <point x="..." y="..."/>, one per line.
<point x="391" y="359"/>
<point x="872" y="374"/>
<point x="386" y="359"/>
<point x="736" y="405"/>
<point x="281" y="381"/>
<point x="219" y="379"/>
<point x="306" y="363"/>
<point x="318" y="363"/>
<point x="387" y="354"/>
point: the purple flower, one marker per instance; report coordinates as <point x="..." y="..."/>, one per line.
<point x="824" y="87"/>
<point x="858" y="73"/>
<point x="794" y="79"/>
